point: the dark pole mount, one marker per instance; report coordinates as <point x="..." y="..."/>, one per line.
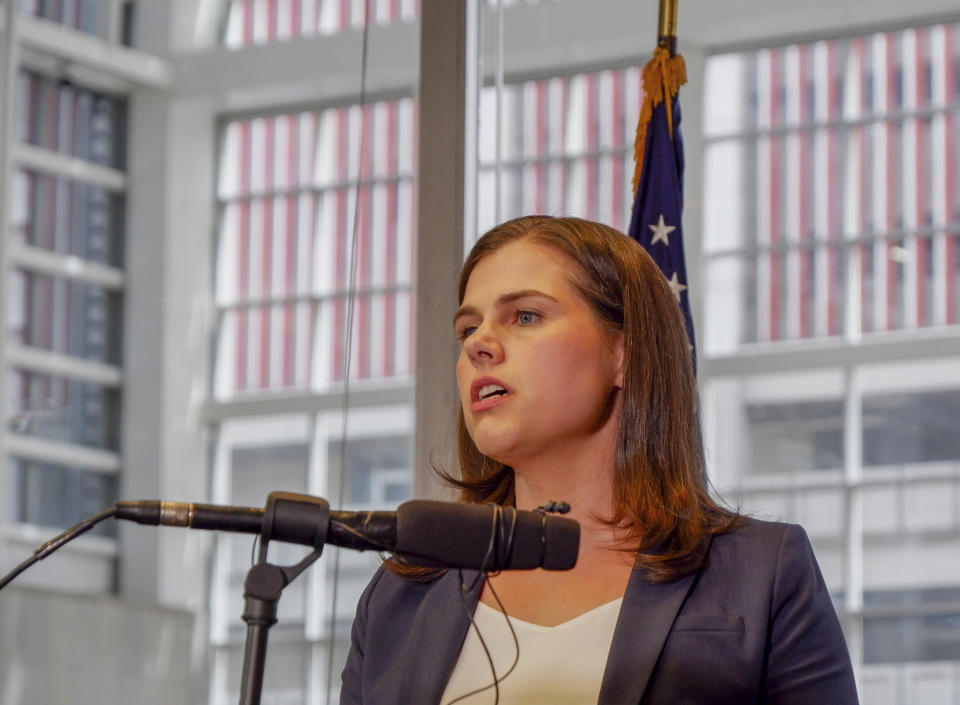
<point x="264" y="584"/>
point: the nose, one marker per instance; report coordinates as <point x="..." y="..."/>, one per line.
<point x="483" y="347"/>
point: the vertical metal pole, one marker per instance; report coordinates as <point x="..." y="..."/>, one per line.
<point x="498" y="128"/>
<point x="10" y="54"/>
<point x="442" y="212"/>
<point x="471" y="118"/>
<point x="108" y="20"/>
<point x="667" y="26"/>
<point x="853" y="554"/>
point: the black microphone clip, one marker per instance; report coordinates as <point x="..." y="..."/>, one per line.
<point x="553" y="507"/>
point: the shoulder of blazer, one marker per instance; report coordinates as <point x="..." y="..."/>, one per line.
<point x="757" y="553"/>
<point x="756" y="535"/>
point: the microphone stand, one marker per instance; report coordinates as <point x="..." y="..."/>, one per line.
<point x="265" y="582"/>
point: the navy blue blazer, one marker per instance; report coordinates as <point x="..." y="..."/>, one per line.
<point x="754" y="625"/>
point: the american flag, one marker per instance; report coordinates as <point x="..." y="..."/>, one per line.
<point x="658" y="183"/>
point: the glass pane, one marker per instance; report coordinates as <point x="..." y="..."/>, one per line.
<point x="64" y="316"/>
<point x="264" y="21"/>
<point x="68" y="217"/>
<point x="912" y="639"/>
<point x="911" y="427"/>
<point x="773" y="296"/>
<point x="284" y="346"/>
<point x="79" y="14"/>
<point x="62" y="409"/>
<point x="796" y="436"/>
<point x="71" y="120"/>
<point x="377" y="471"/>
<point x="285" y="680"/>
<point x="566" y="146"/>
<point x="255" y="471"/>
<point x="835" y="140"/>
<point x="59" y="497"/>
<point x="286" y="247"/>
<point x="934" y="636"/>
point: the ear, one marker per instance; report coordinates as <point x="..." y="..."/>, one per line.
<point x="619" y="360"/>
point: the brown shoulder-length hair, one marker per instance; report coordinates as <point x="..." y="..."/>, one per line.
<point x="661" y="498"/>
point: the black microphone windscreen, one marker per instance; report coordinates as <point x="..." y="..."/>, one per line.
<point x="458" y="535"/>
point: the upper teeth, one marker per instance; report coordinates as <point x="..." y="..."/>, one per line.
<point x="488" y="389"/>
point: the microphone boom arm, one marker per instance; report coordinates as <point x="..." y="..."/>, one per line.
<point x="306" y="518"/>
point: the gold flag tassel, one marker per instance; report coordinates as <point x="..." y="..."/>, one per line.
<point x="662" y="77"/>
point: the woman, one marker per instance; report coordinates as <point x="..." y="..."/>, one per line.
<point x="576" y="384"/>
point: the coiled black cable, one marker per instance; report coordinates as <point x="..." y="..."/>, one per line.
<point x="501" y="544"/>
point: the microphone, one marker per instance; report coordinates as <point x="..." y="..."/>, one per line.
<point x="421" y="532"/>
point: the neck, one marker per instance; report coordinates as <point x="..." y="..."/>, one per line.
<point x="583" y="480"/>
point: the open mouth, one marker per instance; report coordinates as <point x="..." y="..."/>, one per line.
<point x="489" y="391"/>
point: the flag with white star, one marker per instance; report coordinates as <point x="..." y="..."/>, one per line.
<point x="658" y="183"/>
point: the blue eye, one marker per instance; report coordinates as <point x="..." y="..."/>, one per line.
<point x="525" y="318"/>
<point x="465" y="332"/>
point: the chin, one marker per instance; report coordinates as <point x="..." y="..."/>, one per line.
<point x="494" y="448"/>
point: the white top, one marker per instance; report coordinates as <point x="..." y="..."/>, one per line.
<point x="561" y="665"/>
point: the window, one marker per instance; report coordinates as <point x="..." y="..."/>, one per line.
<point x="830" y="249"/>
<point x="64" y="306"/>
<point x="288" y="190"/>
<point x="565" y="147"/>
<point x="846" y="149"/>
<point x="315" y="239"/>
<point x="304" y="454"/>
<point x="262" y="21"/>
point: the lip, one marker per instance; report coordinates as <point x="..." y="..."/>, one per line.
<point x="477" y="404"/>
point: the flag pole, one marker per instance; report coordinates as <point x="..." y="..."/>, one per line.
<point x="667" y="26"/>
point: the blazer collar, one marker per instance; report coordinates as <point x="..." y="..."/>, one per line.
<point x="441" y="626"/>
<point x="645" y="620"/>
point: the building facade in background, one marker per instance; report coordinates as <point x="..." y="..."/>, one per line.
<point x="826" y="276"/>
<point x="831" y="302"/>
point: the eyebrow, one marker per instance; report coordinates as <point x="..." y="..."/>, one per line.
<point x="505" y="299"/>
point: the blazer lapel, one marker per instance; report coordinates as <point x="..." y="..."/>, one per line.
<point x="439" y="629"/>
<point x="645" y="620"/>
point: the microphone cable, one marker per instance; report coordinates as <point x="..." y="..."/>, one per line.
<point x="502" y="538"/>
<point x="45" y="549"/>
<point x="362" y="162"/>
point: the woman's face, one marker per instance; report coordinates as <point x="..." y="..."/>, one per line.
<point x="536" y="371"/>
